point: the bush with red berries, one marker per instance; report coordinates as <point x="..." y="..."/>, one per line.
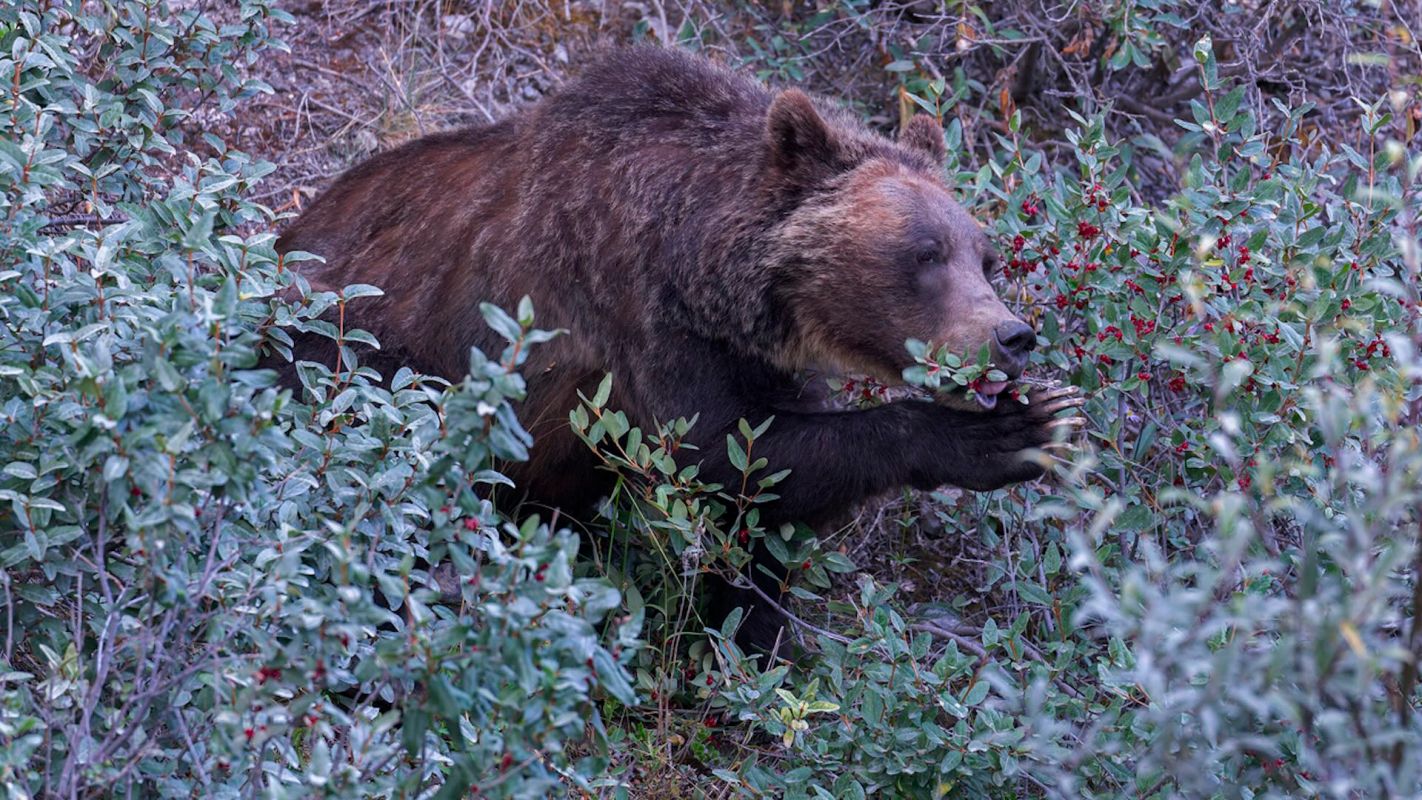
<point x="1213" y="594"/>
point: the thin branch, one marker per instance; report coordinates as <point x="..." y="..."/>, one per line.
<point x="80" y="220"/>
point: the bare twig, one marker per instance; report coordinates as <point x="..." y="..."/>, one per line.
<point x="79" y="221"/>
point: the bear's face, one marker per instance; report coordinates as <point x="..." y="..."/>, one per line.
<point x="878" y="252"/>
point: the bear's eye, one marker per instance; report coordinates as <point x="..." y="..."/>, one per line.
<point x="989" y="264"/>
<point x="928" y="252"/>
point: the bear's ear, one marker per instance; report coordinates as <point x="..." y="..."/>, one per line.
<point x="924" y="134"/>
<point x="798" y="136"/>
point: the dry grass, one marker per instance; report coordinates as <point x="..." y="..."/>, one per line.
<point x="364" y="76"/>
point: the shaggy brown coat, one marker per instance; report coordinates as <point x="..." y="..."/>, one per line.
<point x="702" y="238"/>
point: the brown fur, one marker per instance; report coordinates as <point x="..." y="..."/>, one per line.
<point x="702" y="238"/>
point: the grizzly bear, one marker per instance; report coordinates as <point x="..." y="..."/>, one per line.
<point x="705" y="239"/>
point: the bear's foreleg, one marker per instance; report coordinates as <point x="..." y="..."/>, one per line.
<point x="840" y="458"/>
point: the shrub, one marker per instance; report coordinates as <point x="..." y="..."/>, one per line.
<point x="1215" y="597"/>
<point x="213" y="586"/>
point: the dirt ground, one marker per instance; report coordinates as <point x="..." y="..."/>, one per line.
<point x="363" y="77"/>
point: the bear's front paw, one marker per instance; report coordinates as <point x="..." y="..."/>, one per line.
<point x="1040" y="419"/>
<point x="1016" y="429"/>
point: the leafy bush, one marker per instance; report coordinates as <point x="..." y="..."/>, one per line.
<point x="1216" y="597"/>
<point x="211" y="586"/>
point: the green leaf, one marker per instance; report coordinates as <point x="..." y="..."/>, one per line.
<point x="976" y="694"/>
<point x="1052" y="559"/>
<point x="604" y="391"/>
<point x="357" y="290"/>
<point x="736" y="455"/>
<point x="413" y="726"/>
<point x="115" y="467"/>
<point x="501" y="322"/>
<point x="1227" y="106"/>
<point x="1032" y="593"/>
<point x="1311" y="237"/>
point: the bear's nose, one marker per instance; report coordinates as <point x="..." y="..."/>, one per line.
<point x="1015" y="340"/>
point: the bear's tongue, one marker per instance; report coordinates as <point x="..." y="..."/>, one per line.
<point x="986" y="394"/>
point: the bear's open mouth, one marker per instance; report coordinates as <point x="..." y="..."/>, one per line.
<point x="986" y="393"/>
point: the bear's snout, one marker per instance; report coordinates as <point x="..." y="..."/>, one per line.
<point x="1012" y="344"/>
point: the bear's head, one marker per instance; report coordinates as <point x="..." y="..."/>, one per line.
<point x="875" y="251"/>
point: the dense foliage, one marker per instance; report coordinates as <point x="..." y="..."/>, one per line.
<point x="1215" y="597"/>
<point x="215" y="586"/>
<point x="212" y="587"/>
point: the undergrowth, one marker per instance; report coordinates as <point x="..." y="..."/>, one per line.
<point x="213" y="586"/>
